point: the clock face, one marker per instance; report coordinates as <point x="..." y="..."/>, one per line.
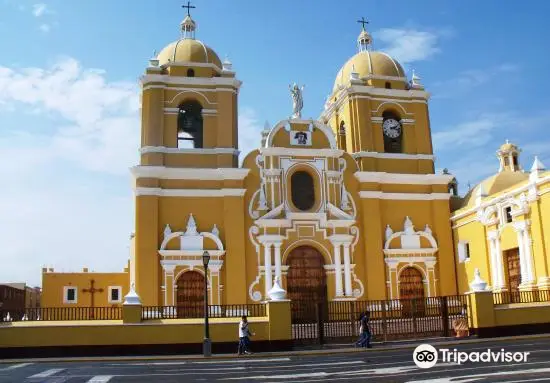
<point x="392" y="128"/>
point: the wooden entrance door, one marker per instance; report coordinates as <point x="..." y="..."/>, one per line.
<point x="411" y="291"/>
<point x="306" y="280"/>
<point x="513" y="272"/>
<point x="190" y="295"/>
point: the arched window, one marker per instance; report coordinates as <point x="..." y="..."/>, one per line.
<point x="302" y="190"/>
<point x="190" y="125"/>
<point x="190" y="72"/>
<point x="392" y="132"/>
<point x="388" y="85"/>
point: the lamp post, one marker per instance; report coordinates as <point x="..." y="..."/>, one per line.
<point x="206" y="346"/>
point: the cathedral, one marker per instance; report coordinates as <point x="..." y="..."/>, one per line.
<point x="344" y="207"/>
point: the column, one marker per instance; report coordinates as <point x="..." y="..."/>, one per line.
<point x="500" y="268"/>
<point x="511" y="162"/>
<point x="278" y="273"/>
<point x="392" y="275"/>
<point x="267" y="267"/>
<point x="494" y="266"/>
<point x="522" y="263"/>
<point x="168" y="284"/>
<point x="430" y="274"/>
<point x="337" y="269"/>
<point x="347" y="271"/>
<point x="528" y="256"/>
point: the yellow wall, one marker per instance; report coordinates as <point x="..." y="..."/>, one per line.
<point x="54" y="282"/>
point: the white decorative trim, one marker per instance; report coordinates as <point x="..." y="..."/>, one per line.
<point x="400" y="178"/>
<point x="145" y="191"/>
<point x="405" y="196"/>
<point x="404" y="121"/>
<point x="486" y="203"/>
<point x="204" y="174"/>
<point x="166" y="150"/>
<point x="204" y="112"/>
<point x="110" y="289"/>
<point x="65" y="292"/>
<point x="312" y="123"/>
<point x="211" y="81"/>
<point x="371" y="93"/>
<point x="275" y="151"/>
<point x="393" y="156"/>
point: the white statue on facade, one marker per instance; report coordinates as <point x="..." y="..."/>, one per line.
<point x="297" y="100"/>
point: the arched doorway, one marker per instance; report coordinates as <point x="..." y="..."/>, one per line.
<point x="190" y="295"/>
<point x="411" y="291"/>
<point x="306" y="279"/>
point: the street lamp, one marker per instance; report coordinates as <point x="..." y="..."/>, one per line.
<point x="206" y="346"/>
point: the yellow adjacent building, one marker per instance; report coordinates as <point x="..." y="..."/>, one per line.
<point x="345" y="207"/>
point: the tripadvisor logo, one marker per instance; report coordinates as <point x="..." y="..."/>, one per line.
<point x="426" y="356"/>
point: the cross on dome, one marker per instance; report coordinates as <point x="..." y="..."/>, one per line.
<point x="364" y="40"/>
<point x="188" y="25"/>
<point x="188" y="6"/>
<point x="363" y="22"/>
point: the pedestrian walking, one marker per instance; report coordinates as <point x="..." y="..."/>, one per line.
<point x="364" y="331"/>
<point x="244" y="336"/>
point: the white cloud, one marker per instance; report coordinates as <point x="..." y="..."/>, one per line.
<point x="68" y="201"/>
<point x="249" y="131"/>
<point x="101" y="128"/>
<point x="45" y="28"/>
<point x="39" y="9"/>
<point x="470" y="133"/>
<point x="470" y="79"/>
<point x="408" y="45"/>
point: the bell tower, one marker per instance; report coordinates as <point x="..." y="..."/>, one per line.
<point x="378" y="116"/>
<point x="189" y="147"/>
<point x="189" y="106"/>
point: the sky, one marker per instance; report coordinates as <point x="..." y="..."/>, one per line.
<point x="69" y="98"/>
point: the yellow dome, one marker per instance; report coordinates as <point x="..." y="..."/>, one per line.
<point x="494" y="184"/>
<point x="369" y="63"/>
<point x="189" y="50"/>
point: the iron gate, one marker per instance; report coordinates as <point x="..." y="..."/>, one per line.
<point x="338" y="321"/>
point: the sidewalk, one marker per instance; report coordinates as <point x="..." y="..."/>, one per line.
<point x="302" y="351"/>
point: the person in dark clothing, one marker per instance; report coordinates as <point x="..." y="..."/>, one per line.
<point x="364" y="330"/>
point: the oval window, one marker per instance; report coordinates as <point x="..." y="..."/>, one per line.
<point x="302" y="190"/>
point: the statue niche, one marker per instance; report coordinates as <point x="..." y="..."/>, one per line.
<point x="190" y="125"/>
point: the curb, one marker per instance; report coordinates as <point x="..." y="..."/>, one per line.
<point x="385" y="347"/>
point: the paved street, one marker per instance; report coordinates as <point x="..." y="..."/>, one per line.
<point x="374" y="365"/>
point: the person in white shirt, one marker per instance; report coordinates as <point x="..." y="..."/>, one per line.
<point x="244" y="333"/>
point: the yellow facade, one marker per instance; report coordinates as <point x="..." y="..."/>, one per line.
<point x="345" y="207"/>
<point x="502" y="227"/>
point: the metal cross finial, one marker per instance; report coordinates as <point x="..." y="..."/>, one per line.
<point x="188" y="6"/>
<point x="363" y="22"/>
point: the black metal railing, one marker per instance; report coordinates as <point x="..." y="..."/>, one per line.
<point x="61" y="314"/>
<point x="197" y="311"/>
<point x="389" y="319"/>
<point x="506" y="297"/>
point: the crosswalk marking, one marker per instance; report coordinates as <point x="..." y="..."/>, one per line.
<point x="45" y="374"/>
<point x="100" y="379"/>
<point x="245" y="360"/>
<point x="13" y="367"/>
<point x="471" y="378"/>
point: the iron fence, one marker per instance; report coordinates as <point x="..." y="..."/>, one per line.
<point x="214" y="311"/>
<point x="507" y="297"/>
<point x="338" y="321"/>
<point x="61" y="314"/>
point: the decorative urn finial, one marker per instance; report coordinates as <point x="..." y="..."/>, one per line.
<point x="277" y="293"/>
<point x="478" y="284"/>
